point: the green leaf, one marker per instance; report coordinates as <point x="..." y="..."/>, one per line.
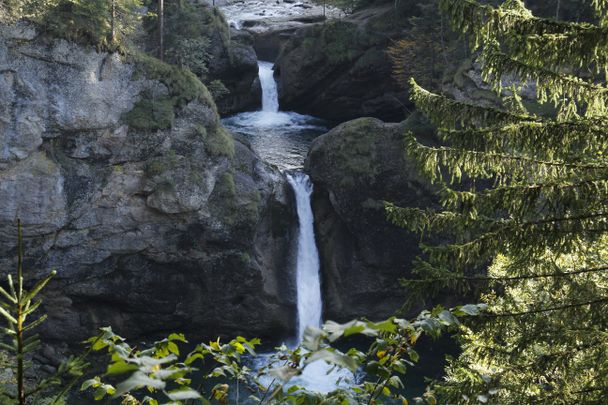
<point x="178" y="336"/>
<point x="413" y="354"/>
<point x="92" y="382"/>
<point x="334" y="357"/>
<point x="448" y="319"/>
<point x="182" y="393"/>
<point x="136" y="381"/>
<point x="192" y="357"/>
<point x="284" y="373"/>
<point x="312" y="338"/>
<point x="102" y="390"/>
<point x="387" y="326"/>
<point x="120" y="367"/>
<point x="173" y="348"/>
<point x="396" y="382"/>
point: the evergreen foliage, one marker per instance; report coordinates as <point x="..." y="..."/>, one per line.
<point x="17" y="304"/>
<point x="99" y="22"/>
<point x="190" y="31"/>
<point x="528" y="195"/>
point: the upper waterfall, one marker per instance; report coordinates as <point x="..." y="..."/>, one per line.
<point x="270" y="95"/>
<point x="281" y="138"/>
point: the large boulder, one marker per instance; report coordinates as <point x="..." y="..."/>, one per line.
<point x="340" y="70"/>
<point x="355" y="168"/>
<point x="154" y="217"/>
<point x="271" y="34"/>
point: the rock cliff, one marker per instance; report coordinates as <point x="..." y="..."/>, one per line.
<point x="154" y="217"/>
<point x="355" y="168"/>
<point x="339" y="70"/>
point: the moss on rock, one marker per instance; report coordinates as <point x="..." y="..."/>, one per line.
<point x="218" y="141"/>
<point x="151" y="114"/>
<point x="183" y="86"/>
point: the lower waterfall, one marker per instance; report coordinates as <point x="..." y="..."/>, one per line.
<point x="308" y="285"/>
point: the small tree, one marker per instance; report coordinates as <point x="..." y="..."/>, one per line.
<point x="18" y="307"/>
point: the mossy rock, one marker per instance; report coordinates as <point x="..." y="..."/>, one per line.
<point x="218" y="141"/>
<point x="151" y="115"/>
<point x="359" y="151"/>
<point x="155" y="168"/>
<point x="341" y="42"/>
<point x="251" y="209"/>
<point x="371" y="59"/>
<point x="223" y="198"/>
<point x="225" y="186"/>
<point x="183" y="85"/>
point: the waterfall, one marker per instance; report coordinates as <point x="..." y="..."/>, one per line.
<point x="274" y="127"/>
<point x="308" y="285"/>
<point x="270" y="95"/>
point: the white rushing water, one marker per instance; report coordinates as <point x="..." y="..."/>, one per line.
<point x="270" y="94"/>
<point x="318" y="376"/>
<point x="308" y="284"/>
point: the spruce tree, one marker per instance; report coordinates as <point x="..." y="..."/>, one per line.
<point x="523" y="218"/>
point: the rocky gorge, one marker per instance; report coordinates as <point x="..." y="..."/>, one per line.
<point x="158" y="219"/>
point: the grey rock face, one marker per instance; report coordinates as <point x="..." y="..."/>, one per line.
<point x="235" y="64"/>
<point x="340" y="70"/>
<point x="149" y="232"/>
<point x="355" y="168"/>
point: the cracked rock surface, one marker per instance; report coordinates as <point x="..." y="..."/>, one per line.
<point x="149" y="232"/>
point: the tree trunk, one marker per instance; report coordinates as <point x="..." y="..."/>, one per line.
<point x="557" y="10"/>
<point x="161" y="29"/>
<point x="113" y="22"/>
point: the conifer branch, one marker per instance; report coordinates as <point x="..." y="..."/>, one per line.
<point x="510" y="278"/>
<point x="600" y="301"/>
<point x="505" y="167"/>
<point x="446" y="112"/>
<point x="551" y="86"/>
<point x="562" y="139"/>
